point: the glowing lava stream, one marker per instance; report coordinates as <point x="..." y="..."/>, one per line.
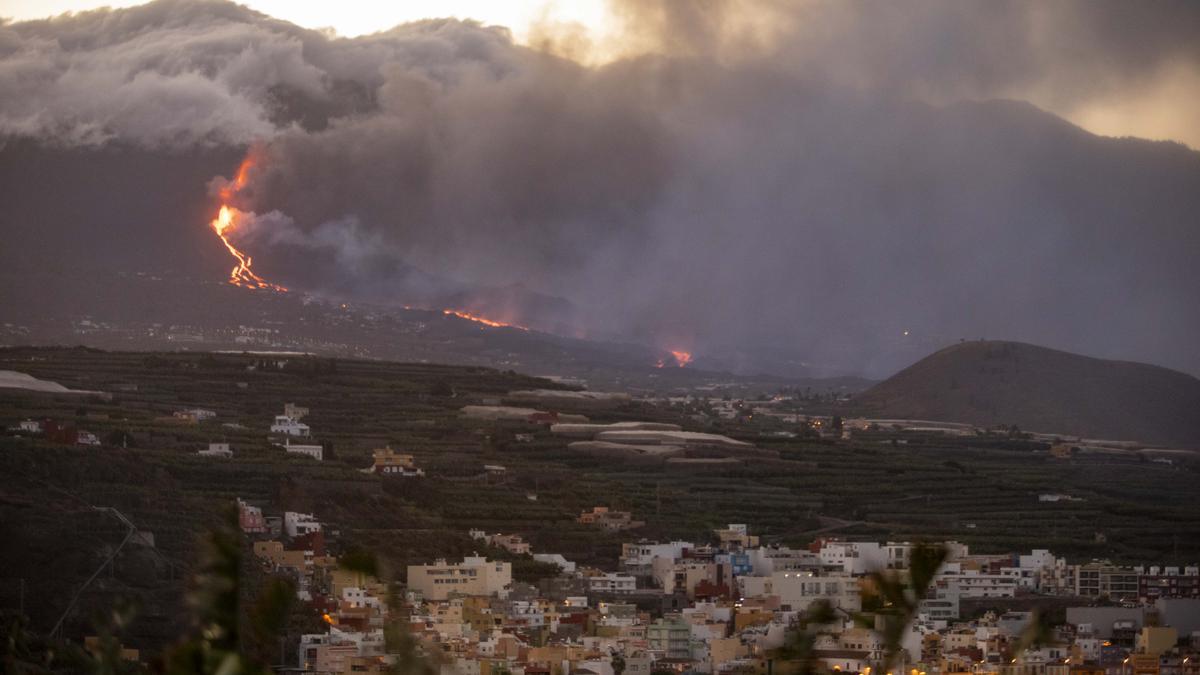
<point x="242" y="275"/>
<point x="226" y="220"/>
<point x="483" y="320"/>
<point x="682" y="359"/>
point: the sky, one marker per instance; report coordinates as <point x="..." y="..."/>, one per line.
<point x="352" y="18"/>
<point x="1142" y="113"/>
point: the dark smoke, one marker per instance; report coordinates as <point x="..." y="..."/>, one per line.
<point x="802" y="179"/>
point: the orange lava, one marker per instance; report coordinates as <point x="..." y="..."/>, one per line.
<point x="226" y="221"/>
<point x="681" y="357"/>
<point x="481" y="319"/>
<point x="243" y="275"/>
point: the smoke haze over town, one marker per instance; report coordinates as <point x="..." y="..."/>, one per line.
<point x="848" y="185"/>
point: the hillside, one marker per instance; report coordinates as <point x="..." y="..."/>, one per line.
<point x="789" y="491"/>
<point x="1040" y="389"/>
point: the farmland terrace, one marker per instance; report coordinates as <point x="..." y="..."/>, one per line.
<point x="1126" y="507"/>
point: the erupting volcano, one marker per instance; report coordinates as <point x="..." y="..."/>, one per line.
<point x="226" y="220"/>
<point x="243" y="276"/>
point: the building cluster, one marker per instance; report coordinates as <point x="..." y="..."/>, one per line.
<point x="513" y="543"/>
<point x="609" y="519"/>
<point x="729" y="606"/>
<point x="55" y="432"/>
<point x="193" y="415"/>
<point x="289" y="426"/>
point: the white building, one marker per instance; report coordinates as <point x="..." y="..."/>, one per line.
<point x="86" y="438"/>
<point x="640" y="556"/>
<point x="475" y="575"/>
<point x="854" y="557"/>
<point x="30" y="426"/>
<point x="217" y="450"/>
<point x="314" y="451"/>
<point x="798" y="590"/>
<point x="767" y="560"/>
<point x="612" y="582"/>
<point x="899" y="553"/>
<point x="358" y="597"/>
<point x="195" y="414"/>
<point x="565" y="565"/>
<point x="975" y="584"/>
<point x="298" y="524"/>
<point x="289" y="427"/>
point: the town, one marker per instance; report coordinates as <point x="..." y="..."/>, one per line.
<point x="732" y="605"/>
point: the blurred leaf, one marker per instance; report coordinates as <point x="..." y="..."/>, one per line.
<point x="363" y="562"/>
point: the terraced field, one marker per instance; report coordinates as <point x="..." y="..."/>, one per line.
<point x="985" y="496"/>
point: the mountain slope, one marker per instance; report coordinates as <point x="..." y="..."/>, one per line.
<point x="1040" y="389"/>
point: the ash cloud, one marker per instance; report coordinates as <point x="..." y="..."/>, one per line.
<point x="807" y="180"/>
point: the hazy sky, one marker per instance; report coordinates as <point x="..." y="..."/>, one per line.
<point x="1155" y="109"/>
<point x="359" y="17"/>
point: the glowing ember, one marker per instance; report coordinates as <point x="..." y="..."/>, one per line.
<point x="226" y="221"/>
<point x="480" y="319"/>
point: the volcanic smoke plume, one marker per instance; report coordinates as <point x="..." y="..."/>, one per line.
<point x="836" y="185"/>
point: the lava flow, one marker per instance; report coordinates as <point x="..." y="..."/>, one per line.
<point x="479" y="319"/>
<point x="682" y="359"/>
<point x="242" y="275"/>
<point x="226" y="220"/>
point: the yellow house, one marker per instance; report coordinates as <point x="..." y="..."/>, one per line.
<point x="724" y="650"/>
<point x="475" y="575"/>
<point x="388" y="462"/>
<point x="1155" y="640"/>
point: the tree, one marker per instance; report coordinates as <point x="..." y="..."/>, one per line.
<point x="618" y="663"/>
<point x="119" y="438"/>
<point x="890" y="603"/>
<point x="221" y="642"/>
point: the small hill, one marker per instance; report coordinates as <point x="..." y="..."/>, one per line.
<point x="1040" y="389"/>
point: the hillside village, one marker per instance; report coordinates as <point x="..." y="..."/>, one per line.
<point x="521" y="528"/>
<point x="731" y="605"/>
